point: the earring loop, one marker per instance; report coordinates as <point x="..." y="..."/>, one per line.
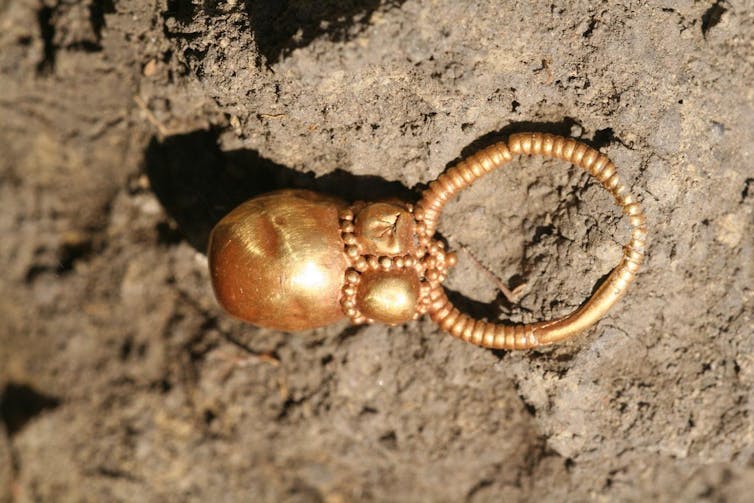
<point x="528" y="335"/>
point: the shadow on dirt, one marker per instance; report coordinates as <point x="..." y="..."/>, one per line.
<point x="564" y="127"/>
<point x="198" y="184"/>
<point x="19" y="404"/>
<point x="282" y="26"/>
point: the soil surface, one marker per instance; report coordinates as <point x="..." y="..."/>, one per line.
<point x="128" y="128"/>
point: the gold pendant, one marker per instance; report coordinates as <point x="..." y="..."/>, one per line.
<point x="296" y="259"/>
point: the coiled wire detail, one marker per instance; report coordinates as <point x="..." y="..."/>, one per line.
<point x="529" y="335"/>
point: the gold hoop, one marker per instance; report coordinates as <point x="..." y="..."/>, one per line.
<point x="529" y="335"/>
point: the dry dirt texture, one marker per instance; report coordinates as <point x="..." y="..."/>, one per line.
<point x="128" y="127"/>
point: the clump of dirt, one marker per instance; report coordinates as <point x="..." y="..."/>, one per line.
<point x="129" y="129"/>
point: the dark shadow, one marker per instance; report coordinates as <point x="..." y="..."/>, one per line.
<point x="280" y="26"/>
<point x="562" y="128"/>
<point x="19" y="404"/>
<point x="45" y="17"/>
<point x="198" y="184"/>
<point x="183" y="11"/>
<point x="713" y="16"/>
<point x="490" y="312"/>
<point x="602" y="137"/>
<point x="478" y="310"/>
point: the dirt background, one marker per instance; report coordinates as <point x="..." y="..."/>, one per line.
<point x="128" y="127"/>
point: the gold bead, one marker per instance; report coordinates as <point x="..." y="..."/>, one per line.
<point x="385" y="229"/>
<point x="451" y="259"/>
<point x="277" y="260"/>
<point x="352" y="276"/>
<point x="348" y="303"/>
<point x="390" y="297"/>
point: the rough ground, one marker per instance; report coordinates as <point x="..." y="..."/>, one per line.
<point x="128" y="127"/>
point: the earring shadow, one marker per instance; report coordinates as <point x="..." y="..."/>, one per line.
<point x="280" y="27"/>
<point x="197" y="183"/>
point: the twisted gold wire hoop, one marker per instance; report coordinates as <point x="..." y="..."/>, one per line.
<point x="529" y="335"/>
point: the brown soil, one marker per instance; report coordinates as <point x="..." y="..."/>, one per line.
<point x="127" y="128"/>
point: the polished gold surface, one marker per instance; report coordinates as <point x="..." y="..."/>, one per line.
<point x="277" y="260"/>
<point x="390" y="297"/>
<point x="385" y="229"/>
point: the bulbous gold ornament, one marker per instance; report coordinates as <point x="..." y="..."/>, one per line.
<point x="295" y="259"/>
<point x="385" y="229"/>
<point x="277" y="260"/>
<point x="388" y="296"/>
